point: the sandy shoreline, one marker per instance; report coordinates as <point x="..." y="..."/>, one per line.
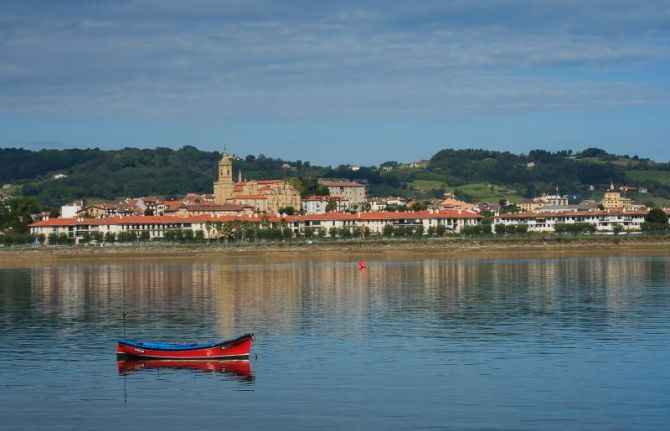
<point x="351" y="250"/>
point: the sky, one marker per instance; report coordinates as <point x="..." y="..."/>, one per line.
<point x="337" y="82"/>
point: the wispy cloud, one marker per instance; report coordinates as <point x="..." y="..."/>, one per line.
<point x="258" y="60"/>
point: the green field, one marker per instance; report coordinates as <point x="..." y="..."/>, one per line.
<point x="425" y="186"/>
<point x="660" y="176"/>
<point x="490" y="192"/>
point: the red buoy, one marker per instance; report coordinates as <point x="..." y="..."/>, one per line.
<point x="361" y="265"/>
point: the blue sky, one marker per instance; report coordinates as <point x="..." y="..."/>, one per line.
<point x="337" y="82"/>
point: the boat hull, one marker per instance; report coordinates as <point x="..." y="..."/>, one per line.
<point x="238" y="348"/>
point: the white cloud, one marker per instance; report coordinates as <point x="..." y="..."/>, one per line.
<point x="238" y="61"/>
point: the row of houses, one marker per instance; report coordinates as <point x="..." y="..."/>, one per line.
<point x="604" y="220"/>
<point x="452" y="220"/>
<point x="157" y="226"/>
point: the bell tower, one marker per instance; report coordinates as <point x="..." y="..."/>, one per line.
<point x="224" y="186"/>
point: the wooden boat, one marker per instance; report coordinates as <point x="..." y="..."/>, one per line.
<point x="239" y="368"/>
<point x="238" y="348"/>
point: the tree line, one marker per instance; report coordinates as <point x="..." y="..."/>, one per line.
<point x="112" y="174"/>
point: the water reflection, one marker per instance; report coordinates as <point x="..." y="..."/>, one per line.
<point x="239" y="369"/>
<point x="410" y="343"/>
<point x="218" y="298"/>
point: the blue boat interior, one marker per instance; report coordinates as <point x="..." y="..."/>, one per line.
<point x="167" y="346"/>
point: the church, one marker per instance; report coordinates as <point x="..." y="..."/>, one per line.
<point x="264" y="195"/>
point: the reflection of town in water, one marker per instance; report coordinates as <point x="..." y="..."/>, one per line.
<point x="224" y="297"/>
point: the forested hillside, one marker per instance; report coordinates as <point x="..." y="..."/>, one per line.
<point x="473" y="174"/>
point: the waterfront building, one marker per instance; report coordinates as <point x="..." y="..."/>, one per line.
<point x="452" y="220"/>
<point x="157" y="226"/>
<point x="604" y="220"/>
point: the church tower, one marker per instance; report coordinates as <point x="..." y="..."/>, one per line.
<point x="224" y="187"/>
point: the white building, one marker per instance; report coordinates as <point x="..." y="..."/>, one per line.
<point x="70" y="210"/>
<point x="396" y="201"/>
<point x="318" y="204"/>
<point x="157" y="226"/>
<point x="604" y="221"/>
<point x="377" y="204"/>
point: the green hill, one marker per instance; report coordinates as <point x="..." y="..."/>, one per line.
<point x="473" y="174"/>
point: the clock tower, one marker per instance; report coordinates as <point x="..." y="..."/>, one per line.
<point x="224" y="186"/>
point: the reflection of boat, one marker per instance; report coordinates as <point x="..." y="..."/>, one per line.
<point x="238" y="368"/>
<point x="233" y="349"/>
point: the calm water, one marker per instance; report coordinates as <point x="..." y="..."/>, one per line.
<point x="412" y="343"/>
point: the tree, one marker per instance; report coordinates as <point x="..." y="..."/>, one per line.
<point x="521" y="228"/>
<point x="109" y="237"/>
<point x="199" y="235"/>
<point x="387" y="231"/>
<point x="331" y="206"/>
<point x="656" y="221"/>
<point x="574" y="228"/>
<point x="419" y="206"/>
<point x="332" y="232"/>
<point x="656" y="215"/>
<point x="344" y="232"/>
<point x="617" y="229"/>
<point x="148" y="212"/>
<point x="309" y="232"/>
<point x="145" y="236"/>
<point x="287" y="210"/>
<point x="440" y="230"/>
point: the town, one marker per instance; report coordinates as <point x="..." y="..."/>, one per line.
<point x="274" y="209"/>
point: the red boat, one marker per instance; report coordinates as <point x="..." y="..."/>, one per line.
<point x="240" y="368"/>
<point x="238" y="348"/>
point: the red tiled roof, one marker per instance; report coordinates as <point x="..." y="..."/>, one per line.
<point x="389" y="215"/>
<point x="273" y="218"/>
<point x="212" y="206"/>
<point x="572" y="214"/>
<point x="56" y="222"/>
<point x="146" y="220"/>
<point x="172" y="204"/>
